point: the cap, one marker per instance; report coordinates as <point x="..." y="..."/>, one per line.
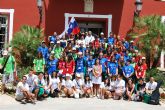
<point x="52" y="52"/>
<point x="78" y="75"/>
<point x="143" y="58"/>
<point x="80" y="53"/>
<point x="101" y="33"/>
<point x="74" y="48"/>
<point x="68" y="75"/>
<point x="5" y="52"/>
<point x="52" y="42"/>
<point x="58" y="42"/>
<point x="131" y="41"/>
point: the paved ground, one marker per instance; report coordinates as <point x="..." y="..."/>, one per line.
<point x="8" y="103"/>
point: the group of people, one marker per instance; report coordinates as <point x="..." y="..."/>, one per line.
<point x="84" y="65"/>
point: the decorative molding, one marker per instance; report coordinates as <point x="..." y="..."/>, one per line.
<point x="88" y="6"/>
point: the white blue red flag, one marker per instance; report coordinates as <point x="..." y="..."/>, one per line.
<point x="73" y="27"/>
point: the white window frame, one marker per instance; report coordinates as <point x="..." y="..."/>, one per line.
<point x="11" y="18"/>
<point x="109" y="17"/>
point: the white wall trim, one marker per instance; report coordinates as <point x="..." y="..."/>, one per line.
<point x="109" y="17"/>
<point x="11" y="12"/>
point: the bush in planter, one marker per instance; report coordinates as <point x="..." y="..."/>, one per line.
<point x="158" y="75"/>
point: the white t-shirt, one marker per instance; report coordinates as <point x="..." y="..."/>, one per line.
<point x="104" y="86"/>
<point x="21" y="86"/>
<point x="77" y="83"/>
<point x="151" y="86"/>
<point x="89" y="39"/>
<point x="88" y="84"/>
<point x="54" y="83"/>
<point x="120" y="85"/>
<point x="112" y="86"/>
<point x="81" y="42"/>
<point x="37" y="81"/>
<point x="68" y="84"/>
<point x="30" y="79"/>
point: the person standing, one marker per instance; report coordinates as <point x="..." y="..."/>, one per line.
<point x="43" y="49"/>
<point x="97" y="77"/>
<point x="9" y="69"/>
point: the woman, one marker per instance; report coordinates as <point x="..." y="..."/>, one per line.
<point x="68" y="86"/>
<point x="105" y="92"/>
<point x="112" y="85"/>
<point x="88" y="86"/>
<point x="130" y="89"/>
<point x="70" y="65"/>
<point x="68" y="49"/>
<point x="39" y="63"/>
<point x="119" y="87"/>
<point x="55" y="85"/>
<point x="52" y="64"/>
<point x="61" y="65"/>
<point x="96" y="79"/>
<point x="47" y="82"/>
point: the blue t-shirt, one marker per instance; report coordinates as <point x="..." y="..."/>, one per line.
<point x="126" y="45"/>
<point x="63" y="44"/>
<point x="111" y="40"/>
<point x="53" y="39"/>
<point x="43" y="50"/>
<point x="52" y="66"/>
<point x="101" y="40"/>
<point x="86" y="57"/>
<point x="90" y="63"/>
<point x="80" y="63"/>
<point x="112" y="67"/>
<point x="126" y="58"/>
<point x="128" y="69"/>
<point x="103" y="62"/>
<point x="117" y="56"/>
<point x="82" y="49"/>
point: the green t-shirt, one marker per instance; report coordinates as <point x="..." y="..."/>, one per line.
<point x="39" y="65"/>
<point x="9" y="68"/>
<point x="58" y="51"/>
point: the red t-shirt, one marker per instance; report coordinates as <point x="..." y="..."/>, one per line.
<point x="62" y="66"/>
<point x="140" y="70"/>
<point x="69" y="67"/>
<point x="96" y="44"/>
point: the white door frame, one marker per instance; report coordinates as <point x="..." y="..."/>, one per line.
<point x="11" y="13"/>
<point x="109" y="17"/>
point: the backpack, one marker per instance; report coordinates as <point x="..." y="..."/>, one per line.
<point x="155" y="96"/>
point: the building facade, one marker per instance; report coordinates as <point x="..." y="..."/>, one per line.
<point x="96" y="15"/>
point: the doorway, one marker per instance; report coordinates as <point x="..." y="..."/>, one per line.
<point x="95" y="27"/>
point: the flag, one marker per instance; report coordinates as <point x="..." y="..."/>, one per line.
<point x="73" y="27"/>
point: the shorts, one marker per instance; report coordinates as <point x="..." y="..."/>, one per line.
<point x="19" y="97"/>
<point x="7" y="78"/>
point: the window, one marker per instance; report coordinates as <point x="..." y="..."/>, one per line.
<point x="3" y="31"/>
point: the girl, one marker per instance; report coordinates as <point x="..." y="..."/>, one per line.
<point x="47" y="83"/>
<point x="130" y="89"/>
<point x="62" y="65"/>
<point x="68" y="86"/>
<point x="55" y="85"/>
<point x="70" y="65"/>
<point x="39" y="63"/>
<point x="52" y="64"/>
<point x="88" y="86"/>
<point x="96" y="79"/>
<point x="105" y="89"/>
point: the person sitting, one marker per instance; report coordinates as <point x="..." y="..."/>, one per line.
<point x="54" y="85"/>
<point x="39" y="87"/>
<point x="112" y="85"/>
<point x="130" y="89"/>
<point x="78" y="86"/>
<point x="119" y="87"/>
<point x="150" y="86"/>
<point x="68" y="86"/>
<point x="140" y="90"/>
<point x="22" y="91"/>
<point x="105" y="89"/>
<point x="88" y="86"/>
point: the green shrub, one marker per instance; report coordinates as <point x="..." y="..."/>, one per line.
<point x="23" y="71"/>
<point x="158" y="75"/>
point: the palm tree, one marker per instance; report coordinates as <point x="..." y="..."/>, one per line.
<point x="150" y="32"/>
<point x="25" y="43"/>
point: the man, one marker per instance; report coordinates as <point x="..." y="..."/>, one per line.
<point x="43" y="49"/>
<point x="128" y="70"/>
<point x="89" y="38"/>
<point x="53" y="38"/>
<point x="102" y="39"/>
<point x="111" y="39"/>
<point x="78" y="86"/>
<point x="22" y="91"/>
<point x="9" y="69"/>
<point x="30" y="79"/>
<point x="150" y="86"/>
<point x="103" y="62"/>
<point x="80" y="64"/>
